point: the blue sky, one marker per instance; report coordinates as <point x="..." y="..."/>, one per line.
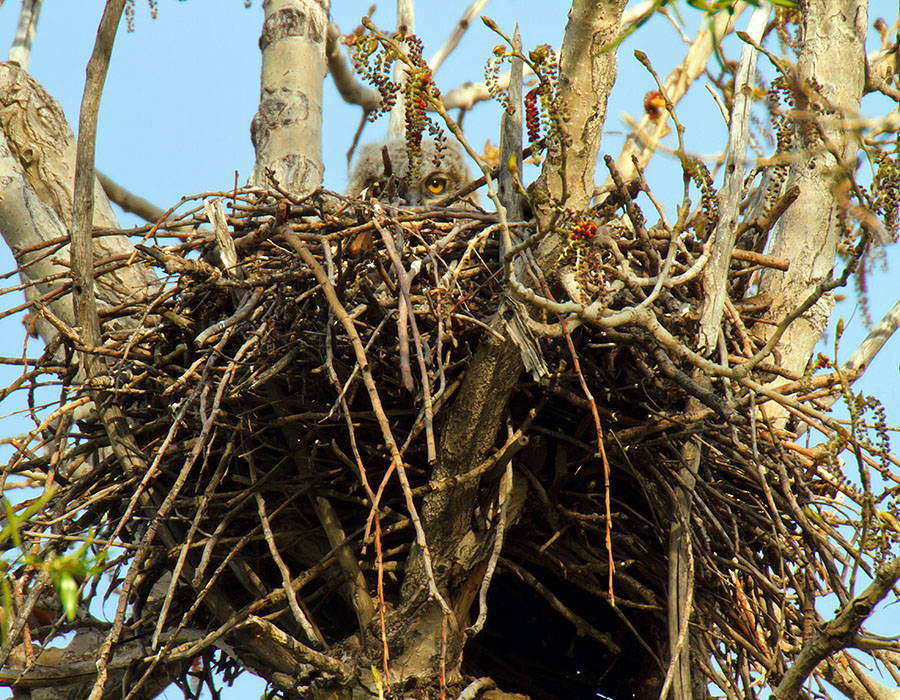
<point x="183" y="88"/>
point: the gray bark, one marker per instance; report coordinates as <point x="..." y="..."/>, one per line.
<point x="586" y="77"/>
<point x="833" y="58"/>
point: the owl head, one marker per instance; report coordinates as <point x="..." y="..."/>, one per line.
<point x="430" y="184"/>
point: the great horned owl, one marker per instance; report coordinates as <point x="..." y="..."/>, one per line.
<point x="431" y="183"/>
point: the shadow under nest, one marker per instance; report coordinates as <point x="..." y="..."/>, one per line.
<point x="244" y="390"/>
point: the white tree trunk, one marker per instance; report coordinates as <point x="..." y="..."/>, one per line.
<point x="833" y="57"/>
<point x="287" y="129"/>
<point x="37" y="180"/>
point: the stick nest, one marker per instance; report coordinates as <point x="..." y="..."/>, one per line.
<point x="246" y="399"/>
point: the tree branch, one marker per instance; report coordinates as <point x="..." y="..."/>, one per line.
<point x="82" y="253"/>
<point x="129" y="201"/>
<point x="715" y="276"/>
<point x="586" y="77"/>
<point x="20" y="51"/>
<point x="838" y="633"/>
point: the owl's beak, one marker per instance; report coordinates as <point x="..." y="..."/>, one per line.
<point x="412" y="196"/>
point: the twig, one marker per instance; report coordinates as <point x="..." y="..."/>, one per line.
<point x="299" y="616"/>
<point x="130" y="202"/>
<point x="83" y="273"/>
<point x="405" y="279"/>
<point x="248" y="303"/>
<point x="715" y="277"/>
<point x="506" y="486"/>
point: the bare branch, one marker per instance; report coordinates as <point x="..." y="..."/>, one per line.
<point x="715" y="276"/>
<point x="456" y="35"/>
<point x="130" y="202"/>
<point x="20" y="51"/>
<point x="350" y="89"/>
<point x="839" y="632"/>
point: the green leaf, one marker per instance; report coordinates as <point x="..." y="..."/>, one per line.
<point x="68" y="594"/>
<point x="6" y="618"/>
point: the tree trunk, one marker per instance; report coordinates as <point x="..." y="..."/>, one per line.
<point x="832" y="65"/>
<point x="37" y="162"/>
<point x="287" y="129"/>
<point x="586" y="76"/>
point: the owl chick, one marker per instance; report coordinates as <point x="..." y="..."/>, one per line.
<point x="431" y="183"/>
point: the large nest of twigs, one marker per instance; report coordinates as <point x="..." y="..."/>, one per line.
<point x="250" y="404"/>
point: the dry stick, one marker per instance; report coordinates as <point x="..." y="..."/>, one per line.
<point x="405" y="279"/>
<point x="238" y="616"/>
<point x="82" y="258"/>
<point x="189" y="651"/>
<point x="459" y="30"/>
<point x="634" y="214"/>
<point x="875" y="689"/>
<point x="838" y="633"/>
<point x="501" y="456"/>
<point x="299" y="616"/>
<point x="192" y="649"/>
<point x="164" y="507"/>
<point x="377" y="408"/>
<point x="209" y="491"/>
<point x="169" y="501"/>
<point x="766" y="220"/>
<point x="645" y="318"/>
<point x="505" y="493"/>
<point x="715" y="276"/>
<point x="403" y="314"/>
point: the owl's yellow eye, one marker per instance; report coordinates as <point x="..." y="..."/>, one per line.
<point x="436" y="184"/>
